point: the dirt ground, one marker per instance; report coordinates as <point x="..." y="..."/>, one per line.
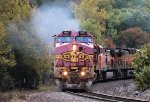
<point x="50" y="93"/>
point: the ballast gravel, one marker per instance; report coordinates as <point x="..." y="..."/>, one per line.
<point x="121" y="88"/>
<point x="56" y="97"/>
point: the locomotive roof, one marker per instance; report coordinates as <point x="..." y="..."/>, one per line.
<point x="74" y="33"/>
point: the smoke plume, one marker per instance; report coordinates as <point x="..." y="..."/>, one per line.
<point x="50" y="20"/>
<point x="46" y="21"/>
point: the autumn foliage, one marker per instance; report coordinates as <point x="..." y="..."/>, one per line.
<point x="109" y="43"/>
<point x="133" y="37"/>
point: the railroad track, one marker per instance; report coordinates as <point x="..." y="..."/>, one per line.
<point x="104" y="97"/>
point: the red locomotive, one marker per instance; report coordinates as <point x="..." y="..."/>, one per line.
<point x="79" y="61"/>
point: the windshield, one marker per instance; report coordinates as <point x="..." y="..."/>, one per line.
<point x="84" y="39"/>
<point x="65" y="39"/>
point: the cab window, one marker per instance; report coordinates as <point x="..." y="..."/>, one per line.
<point x="62" y="39"/>
<point x="84" y="39"/>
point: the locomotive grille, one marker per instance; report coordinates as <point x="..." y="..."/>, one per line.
<point x="74" y="77"/>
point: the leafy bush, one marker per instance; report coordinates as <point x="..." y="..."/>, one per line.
<point x="142" y="68"/>
<point x="143" y="79"/>
<point x="6" y="81"/>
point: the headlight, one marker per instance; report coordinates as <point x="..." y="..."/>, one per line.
<point x="82" y="73"/>
<point x="65" y="73"/>
<point x="74" y="47"/>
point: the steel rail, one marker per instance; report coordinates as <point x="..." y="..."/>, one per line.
<point x="104" y="97"/>
<point x="115" y="97"/>
<point x="91" y="97"/>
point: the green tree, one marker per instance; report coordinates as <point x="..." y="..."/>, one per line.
<point x="7" y="60"/>
<point x="115" y="17"/>
<point x="6" y="56"/>
<point x="125" y="14"/>
<point x="92" y="19"/>
<point x="142" y="68"/>
<point x="32" y="55"/>
<point x="13" y="11"/>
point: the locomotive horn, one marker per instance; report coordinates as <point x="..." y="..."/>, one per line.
<point x="53" y="35"/>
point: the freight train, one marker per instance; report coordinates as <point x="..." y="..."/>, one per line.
<point x="79" y="61"/>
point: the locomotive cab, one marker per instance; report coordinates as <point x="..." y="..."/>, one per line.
<point x="73" y="66"/>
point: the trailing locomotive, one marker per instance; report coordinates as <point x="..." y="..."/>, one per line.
<point x="113" y="63"/>
<point x="79" y="61"/>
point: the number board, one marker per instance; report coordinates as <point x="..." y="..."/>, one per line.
<point x="66" y="33"/>
<point x="82" y="33"/>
